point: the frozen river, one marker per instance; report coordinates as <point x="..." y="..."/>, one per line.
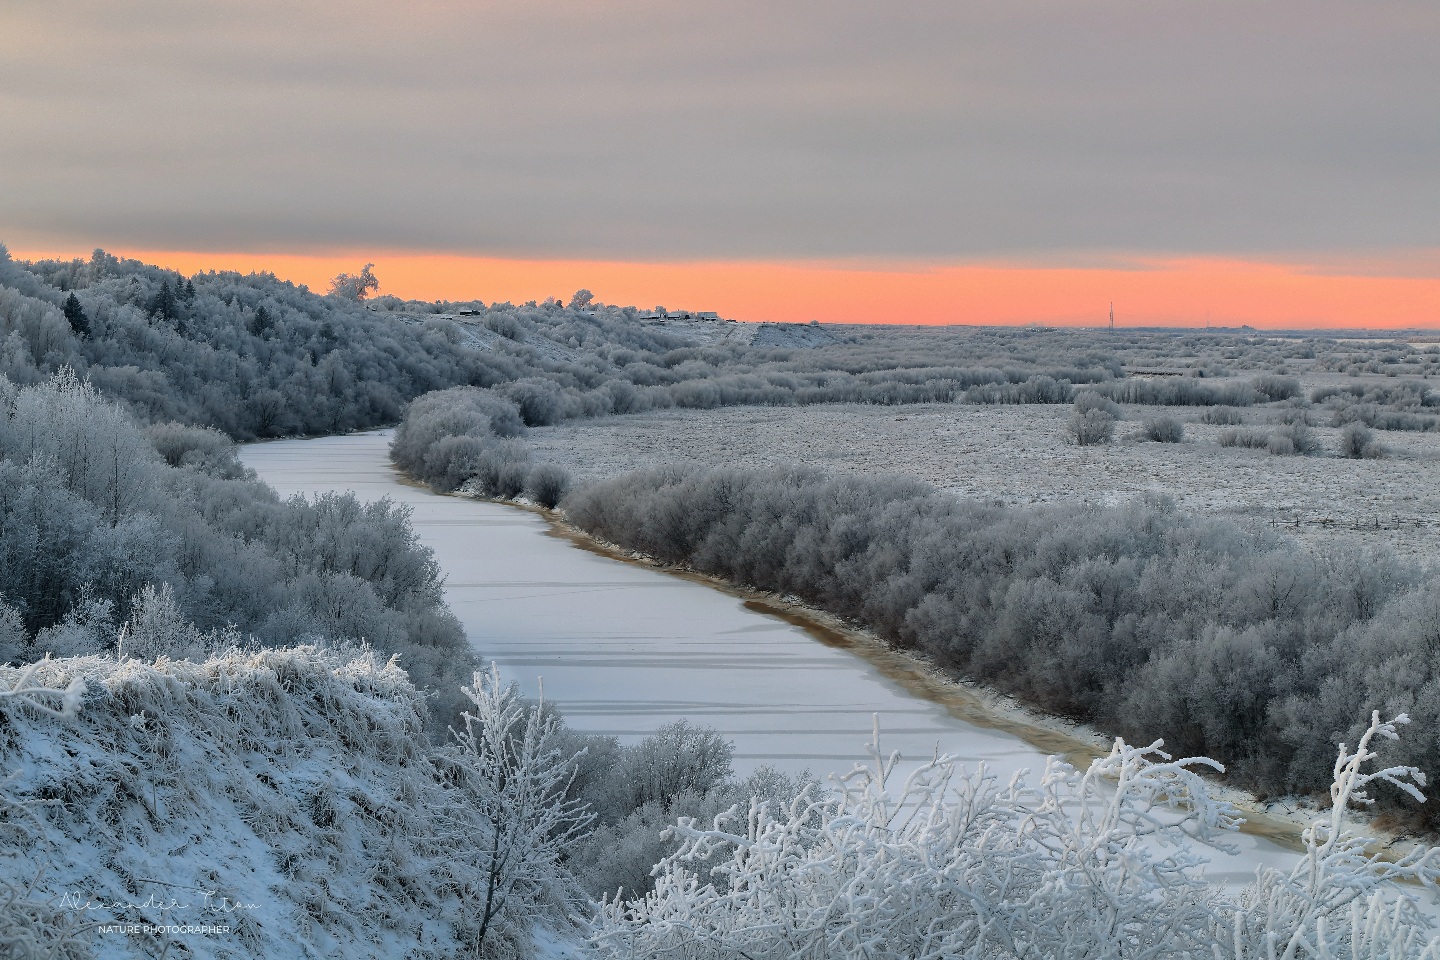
<point x="623" y="649"/>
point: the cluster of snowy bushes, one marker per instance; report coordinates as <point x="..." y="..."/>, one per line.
<point x="1228" y="642"/>
<point x="954" y="864"/>
<point x="1290" y="440"/>
<point x="464" y="434"/>
<point x="1189" y="392"/>
<point x="1408" y="405"/>
<point x="252" y="356"/>
<point x="106" y="528"/>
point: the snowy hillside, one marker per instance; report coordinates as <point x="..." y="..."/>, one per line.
<point x="275" y="803"/>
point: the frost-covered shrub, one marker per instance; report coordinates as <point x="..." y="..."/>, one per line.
<point x="621" y="856"/>
<point x="510" y="766"/>
<point x="203" y="448"/>
<point x="1164" y="429"/>
<point x="1274" y="387"/>
<point x="1087" y="400"/>
<point x="157" y="628"/>
<point x="540" y="401"/>
<point x="1090" y="427"/>
<point x="1179" y="392"/>
<point x="1280" y="445"/>
<point x="1294" y="438"/>
<point x="1357" y="442"/>
<point x="1250" y="439"/>
<point x="1226" y="416"/>
<point x="14" y="641"/>
<point x="546" y="484"/>
<point x="445" y="434"/>
<point x="1353" y="439"/>
<point x="951" y="863"/>
<point x="501" y="469"/>
<point x="678" y="758"/>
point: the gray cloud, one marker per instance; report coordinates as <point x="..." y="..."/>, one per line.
<point x="823" y="128"/>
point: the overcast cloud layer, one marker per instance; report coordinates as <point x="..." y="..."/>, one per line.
<point x="662" y="130"/>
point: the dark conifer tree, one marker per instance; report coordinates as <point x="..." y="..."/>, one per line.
<point x="163" y="306"/>
<point x="260" y="322"/>
<point x="76" y="315"/>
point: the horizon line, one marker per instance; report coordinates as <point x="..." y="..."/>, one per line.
<point x="1151" y="292"/>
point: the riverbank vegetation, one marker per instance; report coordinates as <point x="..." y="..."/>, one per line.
<point x="1140" y="620"/>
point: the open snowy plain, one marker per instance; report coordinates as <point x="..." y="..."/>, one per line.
<point x="1020" y="454"/>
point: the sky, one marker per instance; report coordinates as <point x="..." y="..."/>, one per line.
<point x="1271" y="163"/>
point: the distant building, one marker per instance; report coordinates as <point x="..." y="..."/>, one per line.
<point x="661" y="315"/>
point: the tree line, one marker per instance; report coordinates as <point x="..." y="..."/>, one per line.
<point x="158" y="535"/>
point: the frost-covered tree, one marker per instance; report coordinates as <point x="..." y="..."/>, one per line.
<point x="355" y="287"/>
<point x="512" y="769"/>
<point x="75" y="316"/>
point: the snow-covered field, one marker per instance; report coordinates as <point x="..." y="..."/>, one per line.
<point x="1020" y="454"/>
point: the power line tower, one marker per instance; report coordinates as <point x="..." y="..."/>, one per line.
<point x="1112" y="316"/>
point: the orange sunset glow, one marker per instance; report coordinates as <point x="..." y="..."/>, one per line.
<point x="1180" y="292"/>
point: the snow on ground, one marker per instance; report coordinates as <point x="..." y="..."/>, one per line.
<point x="260" y="804"/>
<point x="1020" y="454"/>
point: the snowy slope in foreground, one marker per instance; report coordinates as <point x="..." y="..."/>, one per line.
<point x="284" y="796"/>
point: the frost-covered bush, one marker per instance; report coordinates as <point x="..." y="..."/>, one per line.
<point x="1180" y="392"/>
<point x="1226" y="416"/>
<point x="952" y="863"/>
<point x="1274" y="387"/>
<point x="1088" y="400"/>
<point x="1090" y="427"/>
<point x="1164" y="429"/>
<point x="1296" y="438"/>
<point x="678" y="758"/>
<point x="203" y="448"/>
<point x="621" y="856"/>
<point x="445" y="434"/>
<point x="1250" y="439"/>
<point x="1357" y="442"/>
<point x="546" y="484"/>
<point x="157" y="628"/>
